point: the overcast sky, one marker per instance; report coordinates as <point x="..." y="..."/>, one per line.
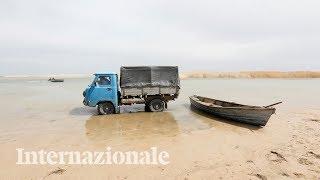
<point x="84" y="36"/>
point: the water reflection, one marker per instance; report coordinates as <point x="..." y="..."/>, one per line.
<point x="139" y="125"/>
<point x="131" y="126"/>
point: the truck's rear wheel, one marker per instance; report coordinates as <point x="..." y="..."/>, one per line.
<point x="156" y="105"/>
<point x="105" y="108"/>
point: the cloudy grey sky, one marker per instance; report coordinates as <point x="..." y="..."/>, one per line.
<point x="84" y="36"/>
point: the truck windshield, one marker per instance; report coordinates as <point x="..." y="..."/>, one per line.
<point x="103" y="80"/>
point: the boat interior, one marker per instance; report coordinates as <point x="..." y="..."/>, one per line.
<point x="218" y="103"/>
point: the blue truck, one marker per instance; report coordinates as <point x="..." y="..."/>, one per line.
<point x="153" y="86"/>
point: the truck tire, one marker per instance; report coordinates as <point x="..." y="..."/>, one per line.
<point x="105" y="108"/>
<point x="156" y="105"/>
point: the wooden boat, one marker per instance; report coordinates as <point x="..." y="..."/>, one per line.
<point x="55" y="80"/>
<point x="255" y="115"/>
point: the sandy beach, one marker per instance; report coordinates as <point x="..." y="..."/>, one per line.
<point x="37" y="114"/>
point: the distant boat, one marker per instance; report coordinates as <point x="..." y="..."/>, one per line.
<point x="56" y="80"/>
<point x="255" y="115"/>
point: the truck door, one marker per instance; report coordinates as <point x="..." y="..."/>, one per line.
<point x="104" y="90"/>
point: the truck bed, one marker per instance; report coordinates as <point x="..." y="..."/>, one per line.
<point x="149" y="76"/>
<point x="138" y="91"/>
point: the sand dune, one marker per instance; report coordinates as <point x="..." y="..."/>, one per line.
<point x="251" y="74"/>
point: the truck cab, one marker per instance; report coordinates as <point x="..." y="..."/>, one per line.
<point x="104" y="93"/>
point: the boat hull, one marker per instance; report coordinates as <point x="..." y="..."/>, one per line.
<point x="253" y="116"/>
<point x="57" y="80"/>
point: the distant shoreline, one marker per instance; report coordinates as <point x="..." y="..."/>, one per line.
<point x="251" y="75"/>
<point x="199" y="75"/>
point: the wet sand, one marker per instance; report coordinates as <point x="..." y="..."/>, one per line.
<point x="51" y="117"/>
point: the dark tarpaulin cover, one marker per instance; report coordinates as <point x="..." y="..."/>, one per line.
<point x="139" y="76"/>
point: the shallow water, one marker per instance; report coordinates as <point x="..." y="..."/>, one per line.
<point x="38" y="106"/>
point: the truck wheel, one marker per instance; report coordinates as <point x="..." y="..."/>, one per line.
<point x="156" y="105"/>
<point x="105" y="108"/>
